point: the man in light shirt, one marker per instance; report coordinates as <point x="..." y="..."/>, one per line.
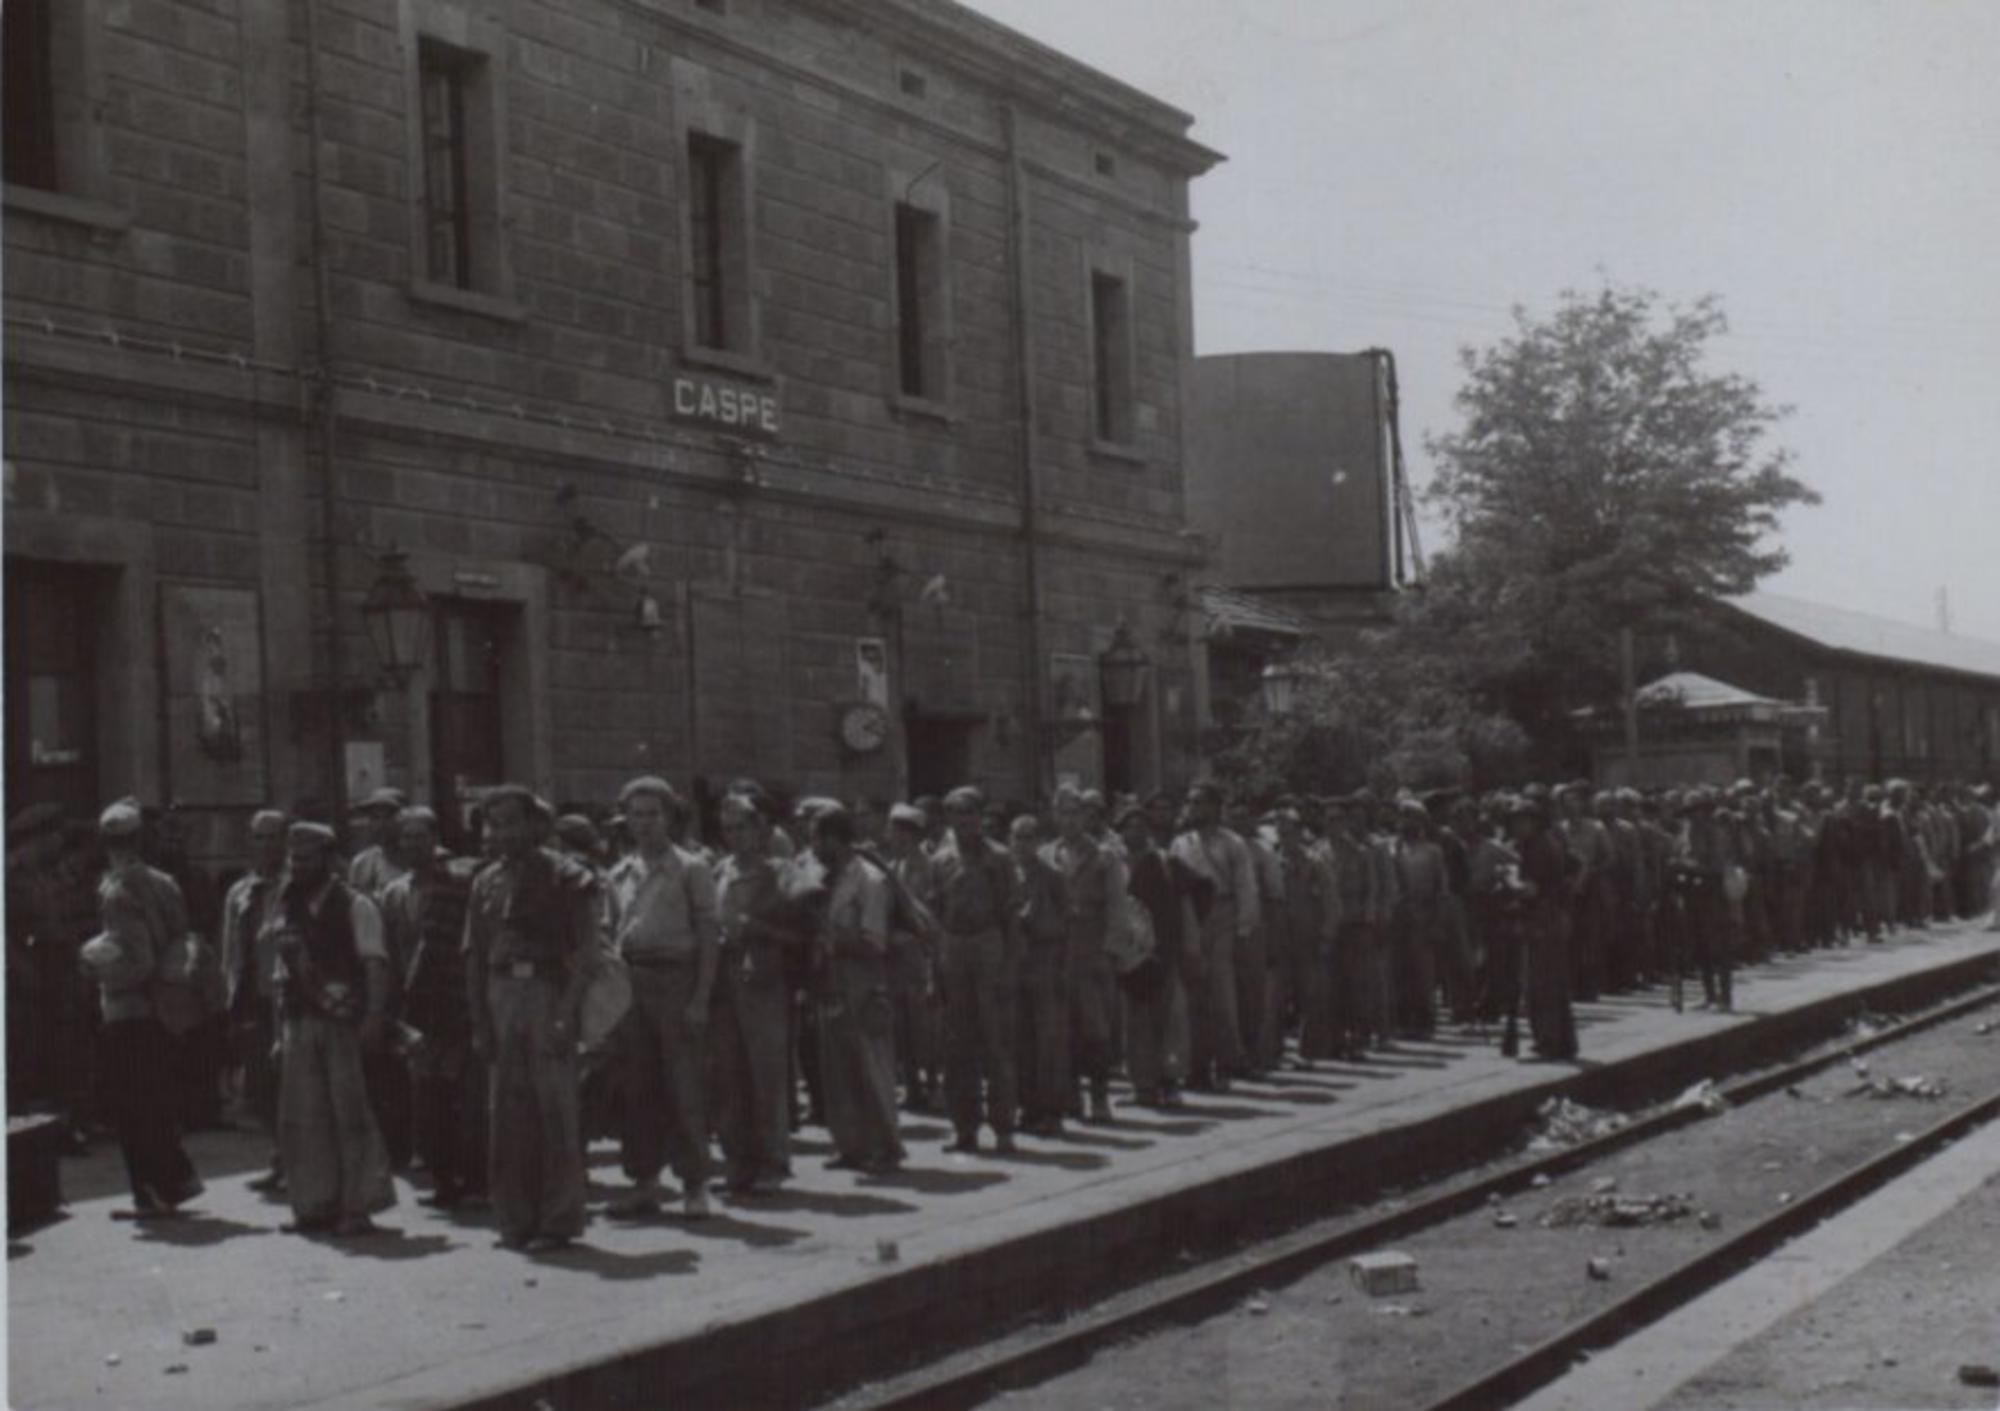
<point x="663" y="922"/>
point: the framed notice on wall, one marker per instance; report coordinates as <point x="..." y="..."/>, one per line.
<point x="211" y="650"/>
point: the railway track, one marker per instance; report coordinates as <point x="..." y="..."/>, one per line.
<point x="1043" y="1353"/>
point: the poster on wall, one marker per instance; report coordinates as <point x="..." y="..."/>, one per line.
<point x="871" y="670"/>
<point x="211" y="649"/>
<point x="1075" y="717"/>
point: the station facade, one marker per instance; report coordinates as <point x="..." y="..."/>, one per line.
<point x="757" y="387"/>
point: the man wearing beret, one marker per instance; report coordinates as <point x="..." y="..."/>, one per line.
<point x="334" y="987"/>
<point x="142" y="914"/>
<point x="531" y="945"/>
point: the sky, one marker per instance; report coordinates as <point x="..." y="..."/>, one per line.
<point x="1404" y="173"/>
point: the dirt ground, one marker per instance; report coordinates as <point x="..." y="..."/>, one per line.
<point x="1490" y="1289"/>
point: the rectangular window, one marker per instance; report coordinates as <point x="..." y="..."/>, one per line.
<point x="30" y="116"/>
<point x="919" y="274"/>
<point x="708" y="172"/>
<point x="718" y="246"/>
<point x="444" y="75"/>
<point x="1111" y="357"/>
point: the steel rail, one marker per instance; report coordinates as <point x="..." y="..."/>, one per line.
<point x="1188" y="1297"/>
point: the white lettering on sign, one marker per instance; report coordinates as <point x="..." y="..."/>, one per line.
<point x="745" y="409"/>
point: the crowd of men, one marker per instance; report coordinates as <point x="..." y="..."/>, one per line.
<point x="390" y="1006"/>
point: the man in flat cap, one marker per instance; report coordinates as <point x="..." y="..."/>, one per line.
<point x="334" y="987"/>
<point x="919" y="1040"/>
<point x="980" y="949"/>
<point x="532" y="933"/>
<point x="250" y="967"/>
<point x="423" y="912"/>
<point x="1094" y="878"/>
<point x="143" y="914"/>
<point x="376" y="864"/>
<point x="663" y="922"/>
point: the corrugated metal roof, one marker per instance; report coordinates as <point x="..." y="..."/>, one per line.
<point x="1867" y="635"/>
<point x="1225" y="611"/>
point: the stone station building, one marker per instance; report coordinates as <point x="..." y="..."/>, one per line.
<point x="751" y="386"/>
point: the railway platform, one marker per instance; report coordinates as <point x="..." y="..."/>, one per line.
<point x="777" y="1299"/>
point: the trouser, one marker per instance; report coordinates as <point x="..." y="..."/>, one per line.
<point x="1586" y="930"/>
<point x="257" y="1051"/>
<point x="1416" y="969"/>
<point x="1500" y="999"/>
<point x="448" y="1110"/>
<point x="1042" y="1028"/>
<point x="1366" y="977"/>
<point x="1155" y="1006"/>
<point x="753" y="1077"/>
<point x="1249" y="958"/>
<point x="978" y="1032"/>
<point x="1216" y="1044"/>
<point x="1551" y="1013"/>
<point x="199" y="1056"/>
<point x="1093" y="994"/>
<point x="919" y="1049"/>
<point x="1878" y="897"/>
<point x="1324" y="1022"/>
<point x="666" y="1058"/>
<point x="1790" y="881"/>
<point x="138" y="1100"/>
<point x="535" y="1167"/>
<point x="1454" y="956"/>
<point x="1974" y="871"/>
<point x="1711" y="936"/>
<point x="1287" y="982"/>
<point x="858" y="1060"/>
<point x="388" y="1081"/>
<point x="336" y="1166"/>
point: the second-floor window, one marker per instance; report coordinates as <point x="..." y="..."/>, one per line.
<point x="718" y="245"/>
<point x="446" y="76"/>
<point x="919" y="299"/>
<point x="1111" y="358"/>
<point x="29" y="124"/>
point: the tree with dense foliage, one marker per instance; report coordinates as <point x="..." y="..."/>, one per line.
<point x="1605" y="477"/>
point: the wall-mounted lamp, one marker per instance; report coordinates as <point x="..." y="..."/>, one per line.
<point x="398" y="618"/>
<point x="1121" y="670"/>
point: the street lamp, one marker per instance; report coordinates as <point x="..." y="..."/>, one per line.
<point x="1278" y="684"/>
<point x="1122" y="670"/>
<point x="398" y="618"/>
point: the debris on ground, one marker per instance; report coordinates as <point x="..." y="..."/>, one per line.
<point x="1867" y="1026"/>
<point x="1402" y="1310"/>
<point x="1561" y="1123"/>
<point x="1541" y="1179"/>
<point x="1978" y="1374"/>
<point x="1704" y="1095"/>
<point x="1918" y="1085"/>
<point x="1257" y="1306"/>
<point x="175" y="1367"/>
<point x="1599" y="1269"/>
<point x="1604" y="1185"/>
<point x="1710" y="1220"/>
<point x="112" y="1359"/>
<point x="1618" y="1212"/>
<point x="1506" y="1219"/>
<point x="1387" y="1272"/>
<point x="198" y="1337"/>
<point x="1985" y="1027"/>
